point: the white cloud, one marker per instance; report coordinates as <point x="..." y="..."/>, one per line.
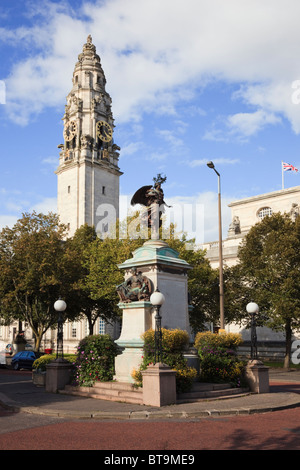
<point x="247" y="124"/>
<point x="46" y="205"/>
<point x="158" y="67"/>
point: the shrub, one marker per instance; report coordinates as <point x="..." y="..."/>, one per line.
<point x="218" y="359"/>
<point x="95" y="360"/>
<point x="223" y="340"/>
<point x="174" y="342"/>
<point x="41" y="363"/>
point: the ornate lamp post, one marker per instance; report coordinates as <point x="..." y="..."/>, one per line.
<point x="221" y="282"/>
<point x="60" y="306"/>
<point x="157" y="299"/>
<point x="252" y="308"/>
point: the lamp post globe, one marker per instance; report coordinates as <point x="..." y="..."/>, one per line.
<point x="157" y="298"/>
<point x="60" y="305"/>
<point x="252" y="307"/>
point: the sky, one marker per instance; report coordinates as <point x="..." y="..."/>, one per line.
<point x="190" y="82"/>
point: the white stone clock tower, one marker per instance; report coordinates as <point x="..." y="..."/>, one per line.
<point x="88" y="173"/>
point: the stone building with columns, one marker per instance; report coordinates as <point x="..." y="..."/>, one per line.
<point x="244" y="214"/>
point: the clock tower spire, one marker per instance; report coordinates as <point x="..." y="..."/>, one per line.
<point x="88" y="172"/>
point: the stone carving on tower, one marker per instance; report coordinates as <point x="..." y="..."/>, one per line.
<point x="88" y="172"/>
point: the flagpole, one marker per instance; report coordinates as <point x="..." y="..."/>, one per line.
<point x="282" y="175"/>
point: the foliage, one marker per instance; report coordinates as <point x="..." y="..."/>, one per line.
<point x="41" y="363"/>
<point x="223" y="340"/>
<point x="174" y="342"/>
<point x="203" y="283"/>
<point x="95" y="360"/>
<point x="32" y="267"/>
<point x="78" y="252"/>
<point x="218" y="359"/>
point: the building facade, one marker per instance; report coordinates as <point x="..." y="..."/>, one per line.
<point x="247" y="212"/>
<point x="244" y="214"/>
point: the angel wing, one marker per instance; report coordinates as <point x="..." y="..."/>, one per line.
<point x="139" y="196"/>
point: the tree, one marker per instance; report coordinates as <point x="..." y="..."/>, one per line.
<point x="203" y="284"/>
<point x="92" y="259"/>
<point x="32" y="266"/>
<point x="269" y="274"/>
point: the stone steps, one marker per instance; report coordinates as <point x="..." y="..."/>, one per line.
<point x="128" y="393"/>
<point x="112" y="391"/>
<point x="207" y="391"/>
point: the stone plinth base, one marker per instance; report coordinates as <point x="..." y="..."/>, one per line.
<point x="58" y="375"/>
<point x="126" y="362"/>
<point x="159" y="385"/>
<point x="257" y="376"/>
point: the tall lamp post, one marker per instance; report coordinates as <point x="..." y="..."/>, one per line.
<point x="221" y="281"/>
<point x="253" y="309"/>
<point x="157" y="299"/>
<point x="60" y="306"/>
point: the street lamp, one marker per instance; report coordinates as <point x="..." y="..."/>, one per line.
<point x="221" y="282"/>
<point x="60" y="306"/>
<point x="157" y="299"/>
<point x="253" y="309"/>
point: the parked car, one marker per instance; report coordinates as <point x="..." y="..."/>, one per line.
<point x="24" y="360"/>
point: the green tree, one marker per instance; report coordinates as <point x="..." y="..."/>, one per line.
<point x="268" y="273"/>
<point x="32" y="266"/>
<point x="94" y="262"/>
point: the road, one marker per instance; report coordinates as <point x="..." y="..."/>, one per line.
<point x="278" y="430"/>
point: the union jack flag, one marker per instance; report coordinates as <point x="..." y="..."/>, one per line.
<point x="288" y="167"/>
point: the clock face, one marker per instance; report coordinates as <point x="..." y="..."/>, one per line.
<point x="70" y="130"/>
<point x="104" y="131"/>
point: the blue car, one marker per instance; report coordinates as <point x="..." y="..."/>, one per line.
<point x="24" y="359"/>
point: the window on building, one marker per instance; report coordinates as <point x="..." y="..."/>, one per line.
<point x="265" y="211"/>
<point x="69" y="189"/>
<point x="101" y="327"/>
<point x="103" y="190"/>
<point x="74" y="330"/>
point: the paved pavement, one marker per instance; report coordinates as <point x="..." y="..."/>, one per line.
<point x="18" y="393"/>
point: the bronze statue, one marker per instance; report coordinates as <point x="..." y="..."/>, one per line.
<point x="150" y="195"/>
<point x="137" y="287"/>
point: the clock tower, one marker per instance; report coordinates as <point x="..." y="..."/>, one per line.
<point x="88" y="172"/>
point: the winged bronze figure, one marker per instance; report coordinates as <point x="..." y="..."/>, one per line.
<point x="149" y="195"/>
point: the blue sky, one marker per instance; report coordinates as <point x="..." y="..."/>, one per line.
<point x="190" y="82"/>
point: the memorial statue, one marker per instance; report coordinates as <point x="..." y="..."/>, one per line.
<point x="137" y="287"/>
<point x="153" y="198"/>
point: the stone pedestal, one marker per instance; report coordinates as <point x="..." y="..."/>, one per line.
<point x="257" y="375"/>
<point x="162" y="266"/>
<point x="137" y="318"/>
<point x="167" y="272"/>
<point x="58" y="375"/>
<point x="159" y="385"/>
